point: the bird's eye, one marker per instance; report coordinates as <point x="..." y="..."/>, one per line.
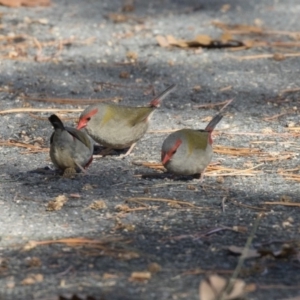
<point x="174" y="152"/>
<point x="88" y="119"/>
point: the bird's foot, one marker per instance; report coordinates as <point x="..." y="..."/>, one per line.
<point x="200" y="176"/>
<point x="127" y="152"/>
<point x="69" y="173"/>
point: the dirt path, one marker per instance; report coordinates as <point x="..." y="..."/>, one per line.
<point x="94" y="50"/>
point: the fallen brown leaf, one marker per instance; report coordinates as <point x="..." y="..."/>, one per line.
<point x="251" y="253"/>
<point x="32" y="279"/>
<point x="214" y="286"/>
<point x="154" y="268"/>
<point x="162" y="41"/>
<point x="33" y="262"/>
<point x="204" y="41"/>
<point x="57" y="203"/>
<point x="17" y="3"/>
<point x="140" y="276"/>
<point x="98" y="205"/>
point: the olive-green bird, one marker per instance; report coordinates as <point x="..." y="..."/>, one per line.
<point x="118" y="126"/>
<point x="188" y="151"/>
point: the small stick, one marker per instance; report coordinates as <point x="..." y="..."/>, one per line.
<point x="283" y="203"/>
<point x="163" y="200"/>
<point x="210" y="105"/>
<point x="229" y="285"/>
<point x="27" y="110"/>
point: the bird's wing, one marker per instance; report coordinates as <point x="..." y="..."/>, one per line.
<point x="127" y="115"/>
<point x="79" y="135"/>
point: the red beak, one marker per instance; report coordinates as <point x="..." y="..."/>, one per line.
<point x="81" y="124"/>
<point x="165" y="157"/>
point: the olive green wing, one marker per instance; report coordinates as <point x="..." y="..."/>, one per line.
<point x="196" y="139"/>
<point x="81" y="136"/>
<point x="127" y="115"/>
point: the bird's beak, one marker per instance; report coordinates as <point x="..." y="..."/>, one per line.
<point x="81" y="124"/>
<point x="165" y="157"/>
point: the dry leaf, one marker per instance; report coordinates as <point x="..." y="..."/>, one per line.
<point x="226" y="36"/>
<point x="197" y="88"/>
<point x="98" y="205"/>
<point x="128" y="255"/>
<point x="200" y="41"/>
<point x="132" y="55"/>
<point x="286" y="250"/>
<point x="162" y="41"/>
<point x="124" y="75"/>
<point x="128" y="7"/>
<point x="238" y="27"/>
<point x="212" y="287"/>
<point x="17" y="3"/>
<point x="285" y="198"/>
<point x="251" y="253"/>
<point x="33" y="262"/>
<point x="154" y="268"/>
<point x="87" y="187"/>
<point x="11" y="284"/>
<point x="109" y="276"/>
<point x="225" y="8"/>
<point x="279" y="56"/>
<point x="220" y="179"/>
<point x="57" y="203"/>
<point x="203" y="39"/>
<point x="32" y="279"/>
<point x="118" y="18"/>
<point x="140" y="276"/>
<point x="179" y="43"/>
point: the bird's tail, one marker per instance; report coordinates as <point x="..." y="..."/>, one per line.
<point x="213" y="123"/>
<point x="159" y="98"/>
<point x="56" y="122"/>
<point x="217" y="118"/>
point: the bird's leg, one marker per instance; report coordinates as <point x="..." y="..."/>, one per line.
<point x="89" y="162"/>
<point x="202" y="176"/>
<point x="81" y="168"/>
<point x="128" y="151"/>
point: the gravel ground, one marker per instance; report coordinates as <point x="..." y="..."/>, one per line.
<point x="99" y="58"/>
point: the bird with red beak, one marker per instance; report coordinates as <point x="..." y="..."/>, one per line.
<point x="189" y="151"/>
<point x="118" y="126"/>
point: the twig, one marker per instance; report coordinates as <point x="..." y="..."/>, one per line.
<point x="72" y="101"/>
<point x="210" y="105"/>
<point x="171" y="201"/>
<point x="283" y="203"/>
<point x="26" y="110"/>
<point x="223" y="204"/>
<point x="261" y="134"/>
<point x="239" y="172"/>
<point x="294" y="90"/>
<point x="275" y="116"/>
<point x="229" y="285"/>
<point x="247" y="206"/>
<point x="260" y="56"/>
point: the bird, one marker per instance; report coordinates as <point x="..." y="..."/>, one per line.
<point x="188" y="151"/>
<point x="70" y="149"/>
<point x="117" y="126"/>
